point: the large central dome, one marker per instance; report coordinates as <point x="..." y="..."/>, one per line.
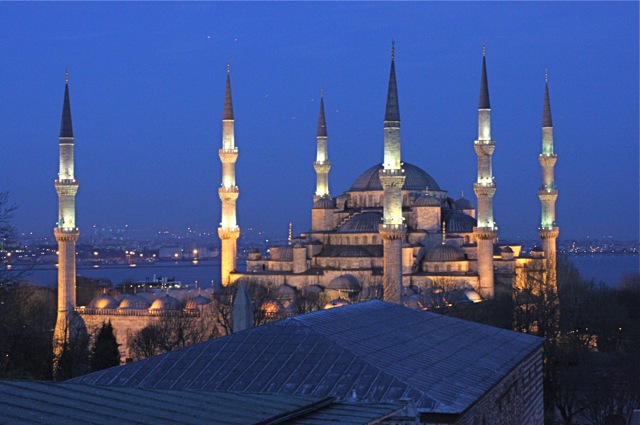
<point x="416" y="179"/>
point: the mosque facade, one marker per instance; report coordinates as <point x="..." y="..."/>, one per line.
<point x="396" y="233"/>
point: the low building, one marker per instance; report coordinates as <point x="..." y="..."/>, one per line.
<point x="449" y="370"/>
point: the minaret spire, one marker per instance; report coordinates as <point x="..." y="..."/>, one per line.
<point x="486" y="232"/>
<point x="547" y="193"/>
<point x="66" y="129"/>
<point x="228" y="192"/>
<point x="66" y="234"/>
<point x="322" y="165"/>
<point x="392" y="230"/>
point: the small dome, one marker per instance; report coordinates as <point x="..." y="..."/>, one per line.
<point x="364" y="222"/>
<point x="272" y="307"/>
<point x="104" y="301"/>
<point x="312" y="290"/>
<point x="134" y="302"/>
<point x="324" y="203"/>
<point x="282" y="253"/>
<point x="445" y="252"/>
<point x="121" y="297"/>
<point x="201" y="300"/>
<point x="196" y="302"/>
<point x="464" y="204"/>
<point x="507" y="249"/>
<point x="537" y="252"/>
<point x="427" y="201"/>
<point x="346" y="283"/>
<point x="338" y="302"/>
<point x="473" y="296"/>
<point x="285" y="292"/>
<point x="149" y="296"/>
<point x="412" y="301"/>
<point x="166" y="302"/>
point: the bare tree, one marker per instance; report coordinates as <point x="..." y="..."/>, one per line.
<point x="171" y="331"/>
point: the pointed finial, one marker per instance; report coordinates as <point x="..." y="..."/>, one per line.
<point x="290" y="227"/>
<point x="462" y="193"/>
<point x="393" y="49"/>
<point x="444" y="232"/>
<point x="484" y="49"/>
<point x="322" y="91"/>
<point x="546" y="75"/>
<point x="426" y="190"/>
<point x="66" y="75"/>
<point x="228" y="67"/>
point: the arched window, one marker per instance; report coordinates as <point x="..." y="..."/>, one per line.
<point x="356" y="240"/>
<point x="364" y="240"/>
<point x="374" y="239"/>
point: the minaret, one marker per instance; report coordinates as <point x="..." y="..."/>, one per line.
<point x="66" y="232"/>
<point x="392" y="230"/>
<point x="322" y="164"/>
<point x="486" y="231"/>
<point x="228" y="230"/>
<point x="548" y="194"/>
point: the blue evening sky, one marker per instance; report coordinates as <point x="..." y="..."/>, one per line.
<point x="147" y="89"/>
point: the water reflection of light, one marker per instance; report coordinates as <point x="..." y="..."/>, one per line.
<point x="96" y="266"/>
<point x="132" y="265"/>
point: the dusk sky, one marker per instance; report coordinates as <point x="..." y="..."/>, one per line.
<point x="147" y="89"/>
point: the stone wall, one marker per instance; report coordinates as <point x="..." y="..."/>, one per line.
<point x="516" y="399"/>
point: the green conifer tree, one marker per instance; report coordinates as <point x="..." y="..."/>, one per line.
<point x="105" y="353"/>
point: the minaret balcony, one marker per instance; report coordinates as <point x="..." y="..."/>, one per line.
<point x="66" y="234"/>
<point x="549" y="232"/>
<point x="66" y="187"/>
<point x="229" y="232"/>
<point x="322" y="166"/>
<point x="484" y="147"/>
<point x="485" y="233"/>
<point x="484" y="190"/>
<point x="392" y="231"/>
<point x="547" y="195"/>
<point x="228" y="156"/>
<point x="548" y="160"/>
<point x="392" y="177"/>
<point x="229" y="193"/>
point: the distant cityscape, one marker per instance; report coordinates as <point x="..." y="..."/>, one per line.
<point x="126" y="245"/>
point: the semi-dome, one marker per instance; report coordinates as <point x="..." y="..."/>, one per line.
<point x="166" y="302"/>
<point x="415" y="179"/>
<point x="464" y="204"/>
<point x="366" y="222"/>
<point x="445" y="252"/>
<point x="104" y="301"/>
<point x="281" y="253"/>
<point x="324" y="203"/>
<point x="459" y="222"/>
<point x="346" y="283"/>
<point x="427" y="201"/>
